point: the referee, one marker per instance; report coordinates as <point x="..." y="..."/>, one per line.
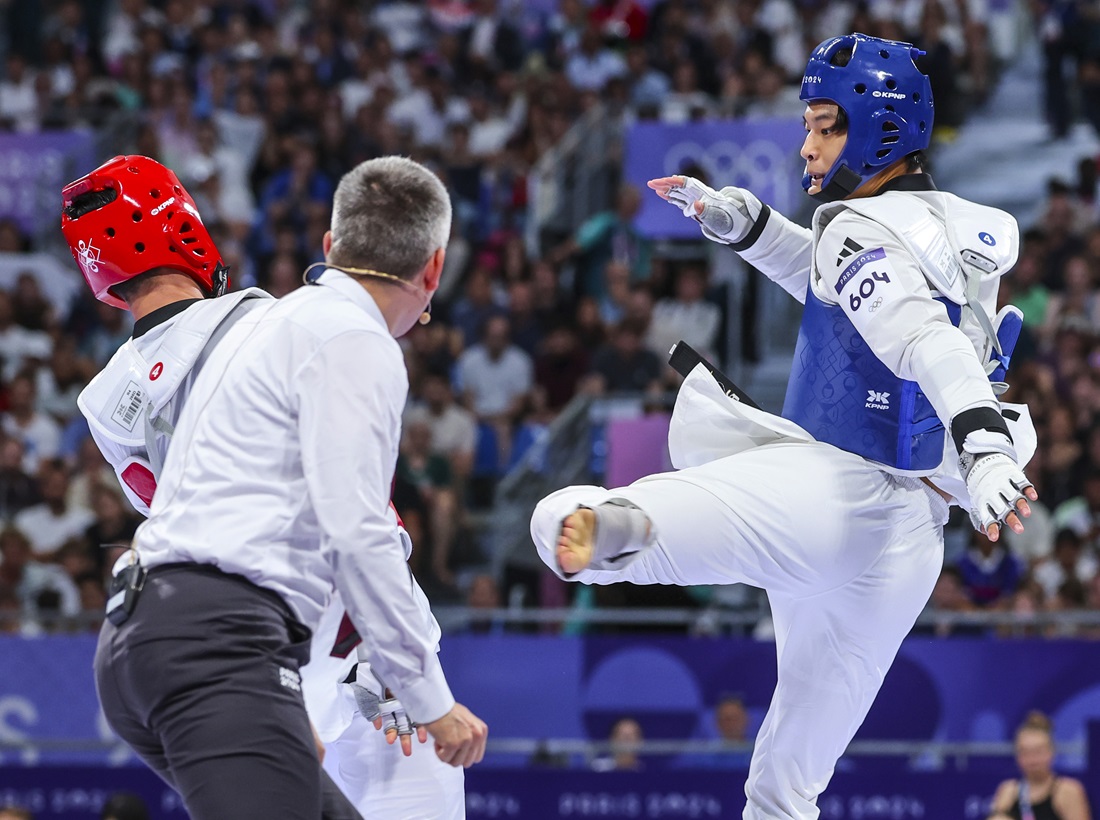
<point x="274" y="491"/>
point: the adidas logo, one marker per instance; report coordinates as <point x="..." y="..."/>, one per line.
<point x="877" y="400"/>
<point x="850" y="247"/>
<point x="290" y="679"/>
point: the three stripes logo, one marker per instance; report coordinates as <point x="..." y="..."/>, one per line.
<point x="850" y="247"/>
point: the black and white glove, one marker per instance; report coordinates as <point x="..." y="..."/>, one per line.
<point x="993" y="479"/>
<point x="376" y="702"/>
<point x="727" y="216"/>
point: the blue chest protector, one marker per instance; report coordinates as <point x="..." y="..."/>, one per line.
<point x="842" y="394"/>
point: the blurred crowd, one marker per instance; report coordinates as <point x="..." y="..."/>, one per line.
<point x="261" y="105"/>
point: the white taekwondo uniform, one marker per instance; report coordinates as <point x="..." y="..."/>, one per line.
<point x="847" y="548"/>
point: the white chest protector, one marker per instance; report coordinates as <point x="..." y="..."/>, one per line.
<point x="963" y="249"/>
<point x="132" y="405"/>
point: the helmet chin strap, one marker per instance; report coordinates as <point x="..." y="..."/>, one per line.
<point x="843" y="183"/>
<point x="219" y="281"/>
<point x="311" y="278"/>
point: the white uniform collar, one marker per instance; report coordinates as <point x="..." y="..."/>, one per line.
<point x="350" y="289"/>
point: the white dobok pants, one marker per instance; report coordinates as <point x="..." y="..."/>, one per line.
<point x="385" y="785"/>
<point x="848" y="555"/>
<point x="381" y="782"/>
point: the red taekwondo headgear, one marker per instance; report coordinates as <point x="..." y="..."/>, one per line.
<point x="131" y="215"/>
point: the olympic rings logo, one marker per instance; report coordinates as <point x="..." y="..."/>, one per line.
<point x="756" y="163"/>
<point x="759" y="165"/>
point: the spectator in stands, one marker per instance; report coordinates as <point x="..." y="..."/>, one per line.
<point x="430" y="473"/>
<point x="560" y="366"/>
<point x="949" y="597"/>
<point x="15" y="813"/>
<point x="1069" y="562"/>
<point x="1078" y="302"/>
<point x="114" y="525"/>
<point x="616" y="293"/>
<point x="1028" y="292"/>
<point x="686" y="102"/>
<point x="625" y="365"/>
<point x="1082" y="513"/>
<point x="625" y="738"/>
<point x="11" y="619"/>
<point x="18" y="101"/>
<point x="93" y="599"/>
<point x="1039" y="793"/>
<point x="18" y="490"/>
<point x="59" y="383"/>
<point x="989" y="572"/>
<point x="687" y="315"/>
<point x="76" y="558"/>
<point x="32" y="580"/>
<point x="774" y="99"/>
<point x="453" y="428"/>
<point x="731" y="720"/>
<point x="30" y="307"/>
<point x="52" y="522"/>
<point x="19" y="346"/>
<point x="495" y="378"/>
<point x="287" y="197"/>
<point x="39" y="434"/>
<point x="527" y="328"/>
<point x="483" y="594"/>
<point x="648" y="86"/>
<point x="608" y="236"/>
<point x="1063" y="224"/>
<point x="91" y="471"/>
<point x="1062" y="451"/>
<point x="592" y="65"/>
<point x="478" y="303"/>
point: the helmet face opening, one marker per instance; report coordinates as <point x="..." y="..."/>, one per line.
<point x="130" y="216"/>
<point x="887" y="101"/>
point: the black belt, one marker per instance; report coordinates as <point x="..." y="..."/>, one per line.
<point x="128" y="584"/>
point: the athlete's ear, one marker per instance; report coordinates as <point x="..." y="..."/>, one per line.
<point x="326" y="243"/>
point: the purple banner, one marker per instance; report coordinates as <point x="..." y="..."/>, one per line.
<point x="33" y="170"/>
<point x="759" y="155"/>
<point x="955" y="690"/>
<point x="636" y="448"/>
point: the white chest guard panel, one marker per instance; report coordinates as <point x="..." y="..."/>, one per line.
<point x="146" y="373"/>
<point x="962" y="248"/>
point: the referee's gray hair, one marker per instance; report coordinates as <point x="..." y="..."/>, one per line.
<point x="390" y="215"/>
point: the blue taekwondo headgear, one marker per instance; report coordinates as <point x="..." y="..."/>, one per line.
<point x="886" y="98"/>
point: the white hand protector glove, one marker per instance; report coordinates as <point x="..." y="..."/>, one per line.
<point x="728" y="215"/>
<point x="376" y="701"/>
<point x="369" y="692"/>
<point x="993" y="479"/>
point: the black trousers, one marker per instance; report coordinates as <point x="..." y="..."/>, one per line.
<point x="202" y="682"/>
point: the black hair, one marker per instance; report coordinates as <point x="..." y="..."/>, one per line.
<point x="131" y="289"/>
<point x="841" y="58"/>
<point x="91" y="201"/>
